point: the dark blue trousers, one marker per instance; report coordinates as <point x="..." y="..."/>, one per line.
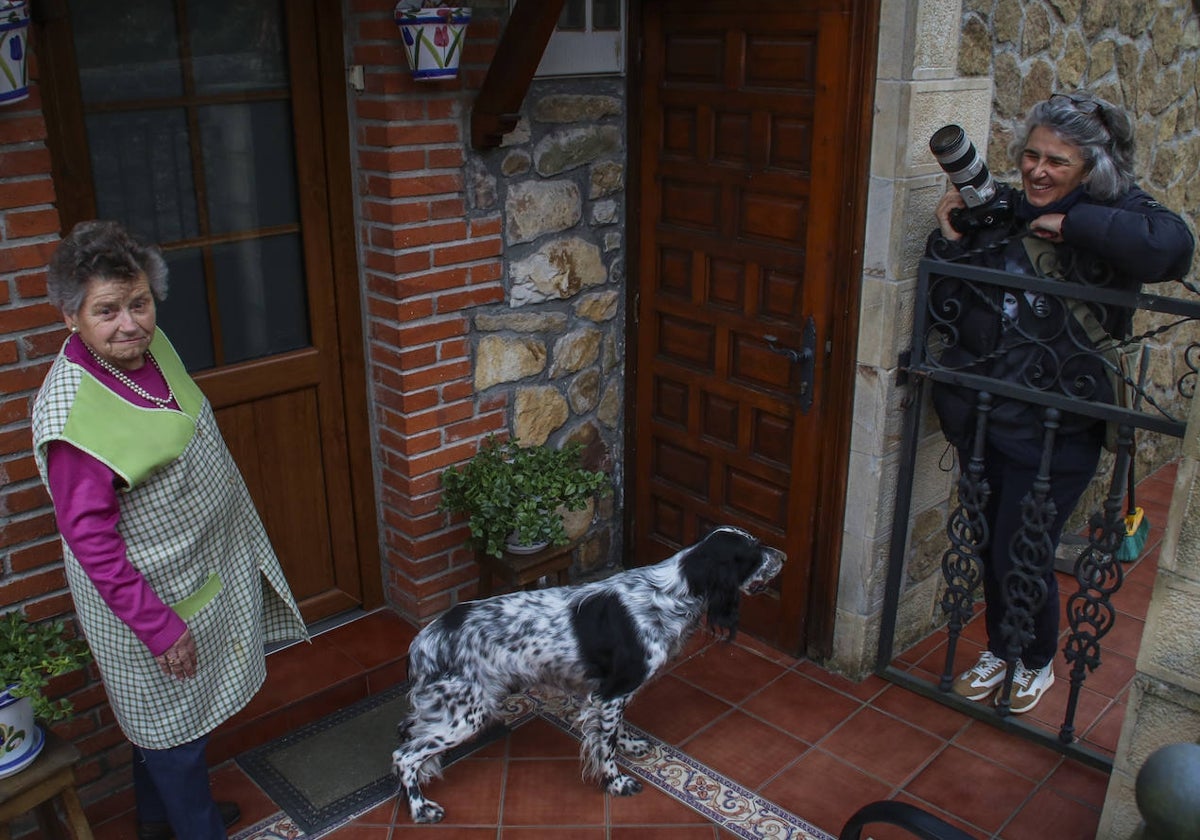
<point x="171" y="786"/>
<point x="1010" y="472"/>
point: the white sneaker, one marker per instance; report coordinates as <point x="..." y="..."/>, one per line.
<point x="982" y="678"/>
<point x="1029" y="686"/>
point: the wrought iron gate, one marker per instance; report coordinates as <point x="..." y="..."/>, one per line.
<point x="1059" y="377"/>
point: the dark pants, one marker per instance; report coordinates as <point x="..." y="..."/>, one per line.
<point x="1010" y="473"/>
<point x="171" y="786"/>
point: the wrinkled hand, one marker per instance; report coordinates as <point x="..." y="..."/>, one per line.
<point x="950" y="201"/>
<point x="179" y="660"/>
<point x="1048" y="227"/>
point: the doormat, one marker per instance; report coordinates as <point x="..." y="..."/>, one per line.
<point x="340" y="765"/>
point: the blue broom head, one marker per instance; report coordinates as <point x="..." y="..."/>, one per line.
<point x="1137" y="531"/>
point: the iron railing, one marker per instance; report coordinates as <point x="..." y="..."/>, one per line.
<point x="1059" y="380"/>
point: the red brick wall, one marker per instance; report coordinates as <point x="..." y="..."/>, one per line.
<point x="31" y="332"/>
<point x="427" y="259"/>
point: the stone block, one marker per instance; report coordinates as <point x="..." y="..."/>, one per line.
<point x="862" y="574"/>
<point x="964" y="102"/>
<point x="936" y="39"/>
<point x="918" y="40"/>
<point x="885" y="315"/>
<point x="870" y="493"/>
<point x="878" y="415"/>
<point x="1158" y="714"/>
<point x="1166" y="653"/>
<point x="855" y="640"/>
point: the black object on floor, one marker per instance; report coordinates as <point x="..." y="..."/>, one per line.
<point x="340" y="765"/>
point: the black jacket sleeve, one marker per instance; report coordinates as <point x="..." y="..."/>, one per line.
<point x="1138" y="237"/>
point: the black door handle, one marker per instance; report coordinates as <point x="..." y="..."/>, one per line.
<point x="805" y="356"/>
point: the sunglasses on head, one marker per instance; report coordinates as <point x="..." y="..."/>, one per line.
<point x="1086" y="105"/>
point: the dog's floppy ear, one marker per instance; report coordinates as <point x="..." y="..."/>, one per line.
<point x="713" y="570"/>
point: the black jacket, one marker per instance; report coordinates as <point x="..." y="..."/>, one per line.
<point x="1037" y="342"/>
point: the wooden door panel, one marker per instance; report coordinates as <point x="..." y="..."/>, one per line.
<point x="278" y="449"/>
<point x="739" y="181"/>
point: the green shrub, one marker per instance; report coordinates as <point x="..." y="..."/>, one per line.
<point x="507" y="489"/>
<point x="32" y="653"/>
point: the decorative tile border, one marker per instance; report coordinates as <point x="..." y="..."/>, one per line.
<point x="718" y="799"/>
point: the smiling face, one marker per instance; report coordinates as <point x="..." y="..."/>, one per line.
<point x="1050" y="167"/>
<point x="116" y="320"/>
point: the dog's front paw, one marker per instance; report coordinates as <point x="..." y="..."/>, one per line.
<point x="624" y="786"/>
<point x="428" y="812"/>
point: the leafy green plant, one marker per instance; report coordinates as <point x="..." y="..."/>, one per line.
<point x="30" y="654"/>
<point x="507" y="489"/>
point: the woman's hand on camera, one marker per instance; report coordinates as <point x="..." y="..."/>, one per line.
<point x="950" y="201"/>
<point x="1048" y="227"/>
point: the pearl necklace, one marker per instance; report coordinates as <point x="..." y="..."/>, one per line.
<point x="123" y="378"/>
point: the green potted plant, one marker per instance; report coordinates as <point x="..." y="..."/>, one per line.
<point x="30" y="654"/>
<point x="514" y="495"/>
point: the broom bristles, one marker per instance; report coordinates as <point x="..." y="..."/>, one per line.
<point x="1137" y="531"/>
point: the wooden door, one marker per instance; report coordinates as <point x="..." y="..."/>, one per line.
<point x="748" y="130"/>
<point x="217" y="129"/>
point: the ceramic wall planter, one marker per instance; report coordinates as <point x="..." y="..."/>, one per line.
<point x="14" y="48"/>
<point x="433" y="39"/>
<point x="20" y="738"/>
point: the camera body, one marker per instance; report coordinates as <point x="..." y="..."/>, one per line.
<point x="988" y="203"/>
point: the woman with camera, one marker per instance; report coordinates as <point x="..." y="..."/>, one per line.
<point x="1078" y="216"/>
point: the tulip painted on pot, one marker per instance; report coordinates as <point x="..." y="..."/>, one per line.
<point x="432" y="34"/>
<point x="20" y="738"/>
<point x="14" y="33"/>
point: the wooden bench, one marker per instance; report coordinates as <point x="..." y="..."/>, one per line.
<point x="523" y="571"/>
<point x="50" y="776"/>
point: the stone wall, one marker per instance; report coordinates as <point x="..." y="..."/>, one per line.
<point x="554" y="349"/>
<point x="982" y="64"/>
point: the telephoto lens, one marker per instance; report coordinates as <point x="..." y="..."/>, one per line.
<point x="967" y="170"/>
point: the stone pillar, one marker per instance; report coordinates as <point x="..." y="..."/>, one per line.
<point x="1164" y="700"/>
<point x="918" y="90"/>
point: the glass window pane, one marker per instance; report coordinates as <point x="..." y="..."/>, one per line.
<point x="249" y="166"/>
<point x="127" y="50"/>
<point x="261" y="297"/>
<point x="237" y="45"/>
<point x="574" y="15"/>
<point x="183" y="316"/>
<point x="142" y="172"/>
<point x="606" y="14"/>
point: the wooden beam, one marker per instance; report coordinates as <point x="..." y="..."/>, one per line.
<point x="496" y="109"/>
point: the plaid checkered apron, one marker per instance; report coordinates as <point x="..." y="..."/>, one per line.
<point x="183" y="521"/>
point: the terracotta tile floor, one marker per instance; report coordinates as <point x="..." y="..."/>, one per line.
<point x="813" y="743"/>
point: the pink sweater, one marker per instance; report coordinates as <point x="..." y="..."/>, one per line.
<point x="85" y="502"/>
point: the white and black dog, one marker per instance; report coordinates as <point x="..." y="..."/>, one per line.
<point x="601" y="641"/>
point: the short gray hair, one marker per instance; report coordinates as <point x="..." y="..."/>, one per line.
<point x="1102" y="131"/>
<point x="101" y="250"/>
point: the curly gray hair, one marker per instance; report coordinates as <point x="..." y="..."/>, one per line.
<point x="101" y="250"/>
<point x="1102" y="131"/>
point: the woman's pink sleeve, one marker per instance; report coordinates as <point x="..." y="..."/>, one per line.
<point x="85" y="503"/>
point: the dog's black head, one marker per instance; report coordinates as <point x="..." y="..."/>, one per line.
<point x="725" y="564"/>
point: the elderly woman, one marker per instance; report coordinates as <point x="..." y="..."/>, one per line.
<point x="1078" y="210"/>
<point x="174" y="580"/>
